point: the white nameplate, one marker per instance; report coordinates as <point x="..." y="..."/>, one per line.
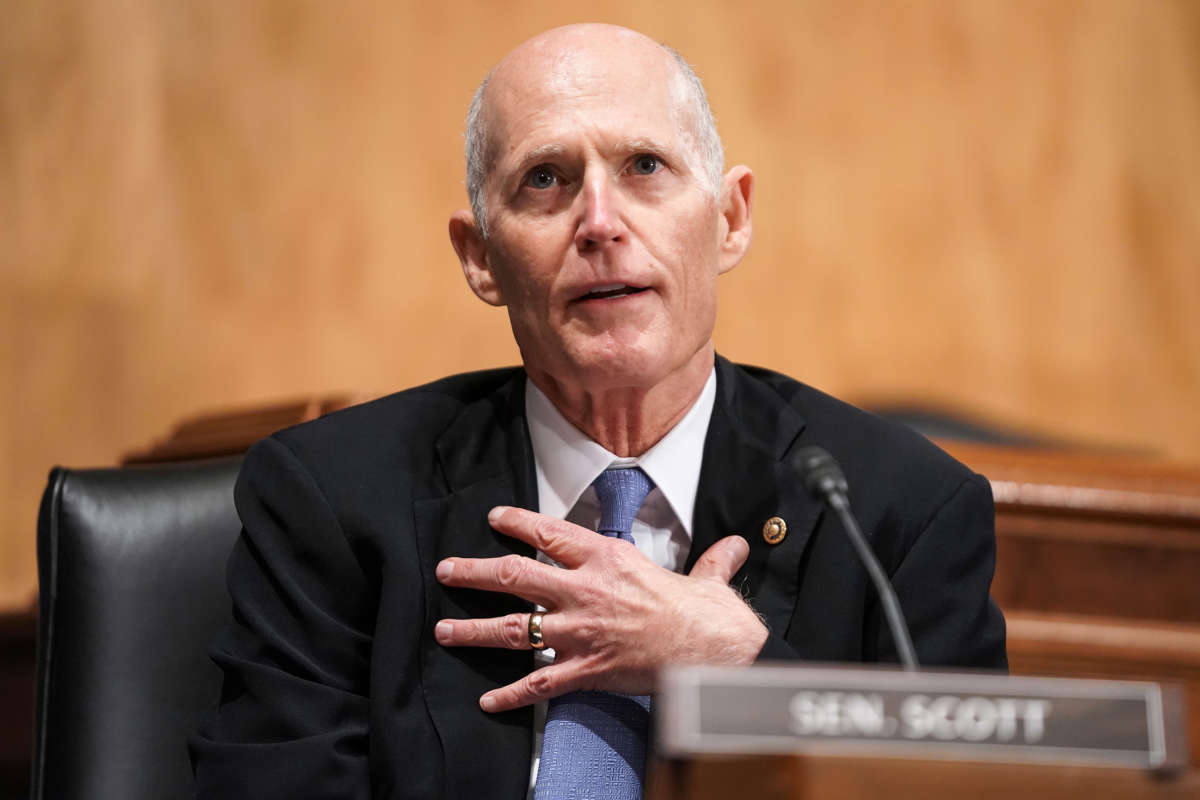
<point x="968" y="716"/>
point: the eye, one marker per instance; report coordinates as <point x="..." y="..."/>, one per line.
<point x="540" y="178"/>
<point x="646" y="164"/>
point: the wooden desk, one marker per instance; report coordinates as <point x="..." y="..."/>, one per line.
<point x="1085" y="534"/>
<point x="847" y="778"/>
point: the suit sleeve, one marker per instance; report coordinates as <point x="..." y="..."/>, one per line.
<point x="943" y="584"/>
<point x="292" y="721"/>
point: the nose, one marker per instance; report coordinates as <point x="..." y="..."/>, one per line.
<point x="600" y="225"/>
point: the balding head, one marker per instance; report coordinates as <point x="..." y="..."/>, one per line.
<point x="572" y="57"/>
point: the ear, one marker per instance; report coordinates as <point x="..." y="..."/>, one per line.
<point x="737" y="193"/>
<point x="472" y="252"/>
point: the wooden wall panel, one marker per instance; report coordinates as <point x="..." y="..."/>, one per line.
<point x="989" y="206"/>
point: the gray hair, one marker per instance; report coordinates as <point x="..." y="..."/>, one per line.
<point x="703" y="134"/>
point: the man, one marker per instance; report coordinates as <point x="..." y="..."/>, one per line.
<point x="384" y="586"/>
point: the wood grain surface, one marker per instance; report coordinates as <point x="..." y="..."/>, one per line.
<point x="847" y="778"/>
<point x="991" y="207"/>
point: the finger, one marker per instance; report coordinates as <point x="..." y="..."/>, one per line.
<point x="722" y="560"/>
<point x="510" y="631"/>
<point x="541" y="684"/>
<point x="524" y="577"/>
<point x="565" y="542"/>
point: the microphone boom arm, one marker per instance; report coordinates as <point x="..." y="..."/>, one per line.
<point x="824" y="479"/>
<point x="887" y="595"/>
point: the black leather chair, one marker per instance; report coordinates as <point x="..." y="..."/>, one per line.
<point x="131" y="564"/>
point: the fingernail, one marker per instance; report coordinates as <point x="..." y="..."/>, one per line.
<point x="444" y="569"/>
<point x="443" y="629"/>
<point x="487" y="702"/>
<point x="495" y="514"/>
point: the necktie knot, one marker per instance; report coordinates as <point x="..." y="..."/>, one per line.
<point x="621" y="492"/>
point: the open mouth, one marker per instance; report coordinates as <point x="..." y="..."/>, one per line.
<point x="615" y="290"/>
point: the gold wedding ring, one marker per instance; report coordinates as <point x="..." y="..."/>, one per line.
<point x="535" y="631"/>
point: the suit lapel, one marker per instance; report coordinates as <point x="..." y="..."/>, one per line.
<point x="745" y="480"/>
<point x="486" y="461"/>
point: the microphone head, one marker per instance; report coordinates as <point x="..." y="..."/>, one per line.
<point x="821" y="473"/>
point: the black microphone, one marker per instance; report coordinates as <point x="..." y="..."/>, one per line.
<point x="823" y="479"/>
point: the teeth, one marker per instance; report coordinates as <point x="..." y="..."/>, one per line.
<point x="610" y="288"/>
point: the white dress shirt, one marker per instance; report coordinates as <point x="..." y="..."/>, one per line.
<point x="568" y="461"/>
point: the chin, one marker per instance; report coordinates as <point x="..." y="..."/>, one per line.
<point x="627" y="367"/>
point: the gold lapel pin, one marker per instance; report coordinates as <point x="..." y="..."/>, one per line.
<point x="774" y="530"/>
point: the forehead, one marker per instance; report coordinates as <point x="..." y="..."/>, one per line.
<point x="551" y="98"/>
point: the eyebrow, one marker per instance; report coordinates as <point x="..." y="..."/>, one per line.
<point x="643" y="146"/>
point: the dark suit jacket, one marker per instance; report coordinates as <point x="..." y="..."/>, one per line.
<point x="334" y="686"/>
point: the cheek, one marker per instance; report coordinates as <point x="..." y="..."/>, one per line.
<point x="529" y="251"/>
<point x="697" y="256"/>
<point x="684" y="234"/>
<point x="515" y="264"/>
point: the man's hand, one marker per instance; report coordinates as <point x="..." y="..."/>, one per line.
<point x="614" y="617"/>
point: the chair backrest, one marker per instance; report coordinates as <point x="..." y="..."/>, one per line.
<point x="131" y="564"/>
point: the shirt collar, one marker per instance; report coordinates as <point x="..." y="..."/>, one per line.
<point x="567" y="461"/>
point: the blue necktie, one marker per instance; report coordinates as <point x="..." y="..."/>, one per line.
<point x="594" y="746"/>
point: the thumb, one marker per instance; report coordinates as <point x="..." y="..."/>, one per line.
<point x="722" y="560"/>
